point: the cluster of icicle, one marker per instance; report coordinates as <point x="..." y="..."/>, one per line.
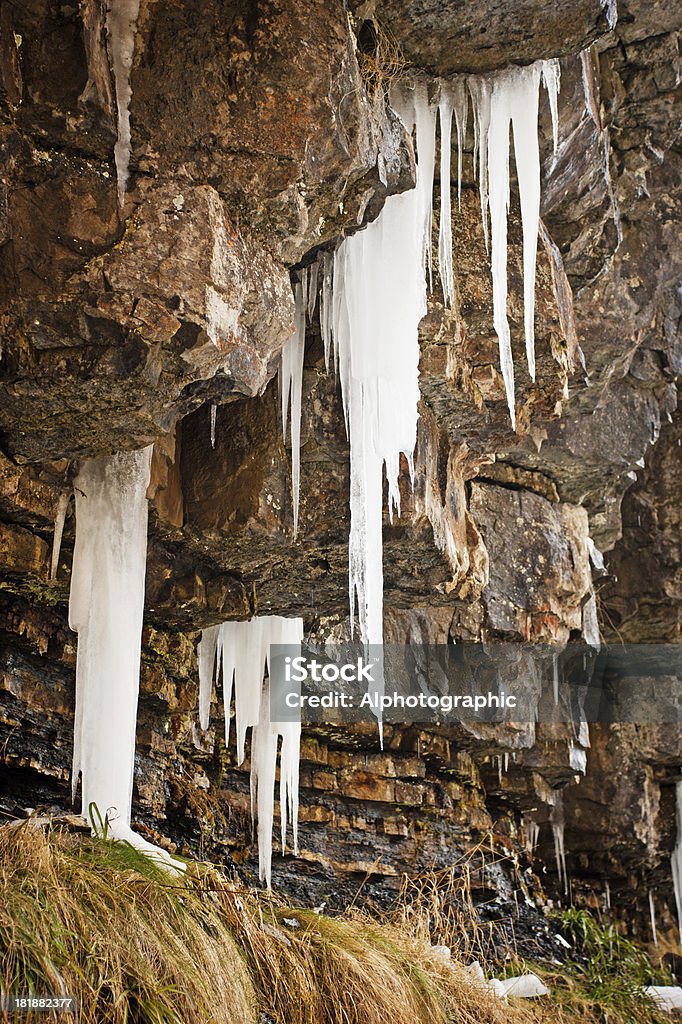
<point x="373" y="296"/>
<point x="106" y="606"/>
<point x="121" y="25"/>
<point x="239" y="652"/>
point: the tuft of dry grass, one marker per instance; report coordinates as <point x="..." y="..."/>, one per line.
<point x="98" y="920"/>
<point x="95" y="919"/>
<point x="380" y="60"/>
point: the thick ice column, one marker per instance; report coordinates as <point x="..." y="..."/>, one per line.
<point x="105" y="608"/>
<point x="121" y="25"/>
<point x="379" y="297"/>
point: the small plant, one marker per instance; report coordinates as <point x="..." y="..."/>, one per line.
<point x="606" y="976"/>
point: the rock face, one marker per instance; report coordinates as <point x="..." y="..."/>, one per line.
<point x="260" y="134"/>
<point x="445" y="38"/>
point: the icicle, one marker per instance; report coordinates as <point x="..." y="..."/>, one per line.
<point x="480" y="92"/>
<point x="105" y="608"/>
<point x="291" y="388"/>
<point x="498" y="189"/>
<point x="676" y="859"/>
<point x="121" y="27"/>
<point x="652" y="917"/>
<point x="610" y="8"/>
<point x="243" y="650"/>
<point x="551" y="76"/>
<point x="445" y="225"/>
<point x="326" y="306"/>
<point x="214" y="413"/>
<point x="524" y="114"/>
<point x="461" y="107"/>
<point x="313" y="287"/>
<point x="511" y="98"/>
<point x="532" y="831"/>
<point x="555" y="677"/>
<point x="557" y="822"/>
<point x="206" y="657"/>
<point x="59" y="520"/>
<point x="379" y="298"/>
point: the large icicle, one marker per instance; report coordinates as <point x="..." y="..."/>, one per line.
<point x="241" y="651"/>
<point x="291" y="383"/>
<point x="121" y="26"/>
<point x="379" y="298"/>
<point x="445" y="224"/>
<point x="105" y="609"/>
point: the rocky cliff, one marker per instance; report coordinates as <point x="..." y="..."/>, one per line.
<point x="258" y="131"/>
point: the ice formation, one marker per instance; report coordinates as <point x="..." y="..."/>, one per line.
<point x="121" y="26"/>
<point x="291" y="381"/>
<point x="652" y="918"/>
<point x="506" y="98"/>
<point x="522" y="986"/>
<point x="59" y="520"/>
<point x="239" y="652"/>
<point x="106" y="604"/>
<point x="557" y="822"/>
<point x="379" y="297"/>
<point x="373" y="299"/>
<point x="667" y="997"/>
<point x="531" y="831"/>
<point x="676" y="859"/>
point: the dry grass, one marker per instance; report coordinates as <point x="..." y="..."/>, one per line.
<point x="84" y="917"/>
<point x="97" y="920"/>
<point x="381" y="63"/>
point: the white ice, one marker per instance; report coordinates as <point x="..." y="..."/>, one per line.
<point x="106" y="606"/>
<point x="523" y="986"/>
<point x="652" y="917"/>
<point x="291" y="381"/>
<point x="59" y="520"/>
<point x="121" y="26"/>
<point x="557" y="823"/>
<point x="504" y="100"/>
<point x="667" y="997"/>
<point x="379" y="297"/>
<point x="445" y="224"/>
<point x="240" y="652"/>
